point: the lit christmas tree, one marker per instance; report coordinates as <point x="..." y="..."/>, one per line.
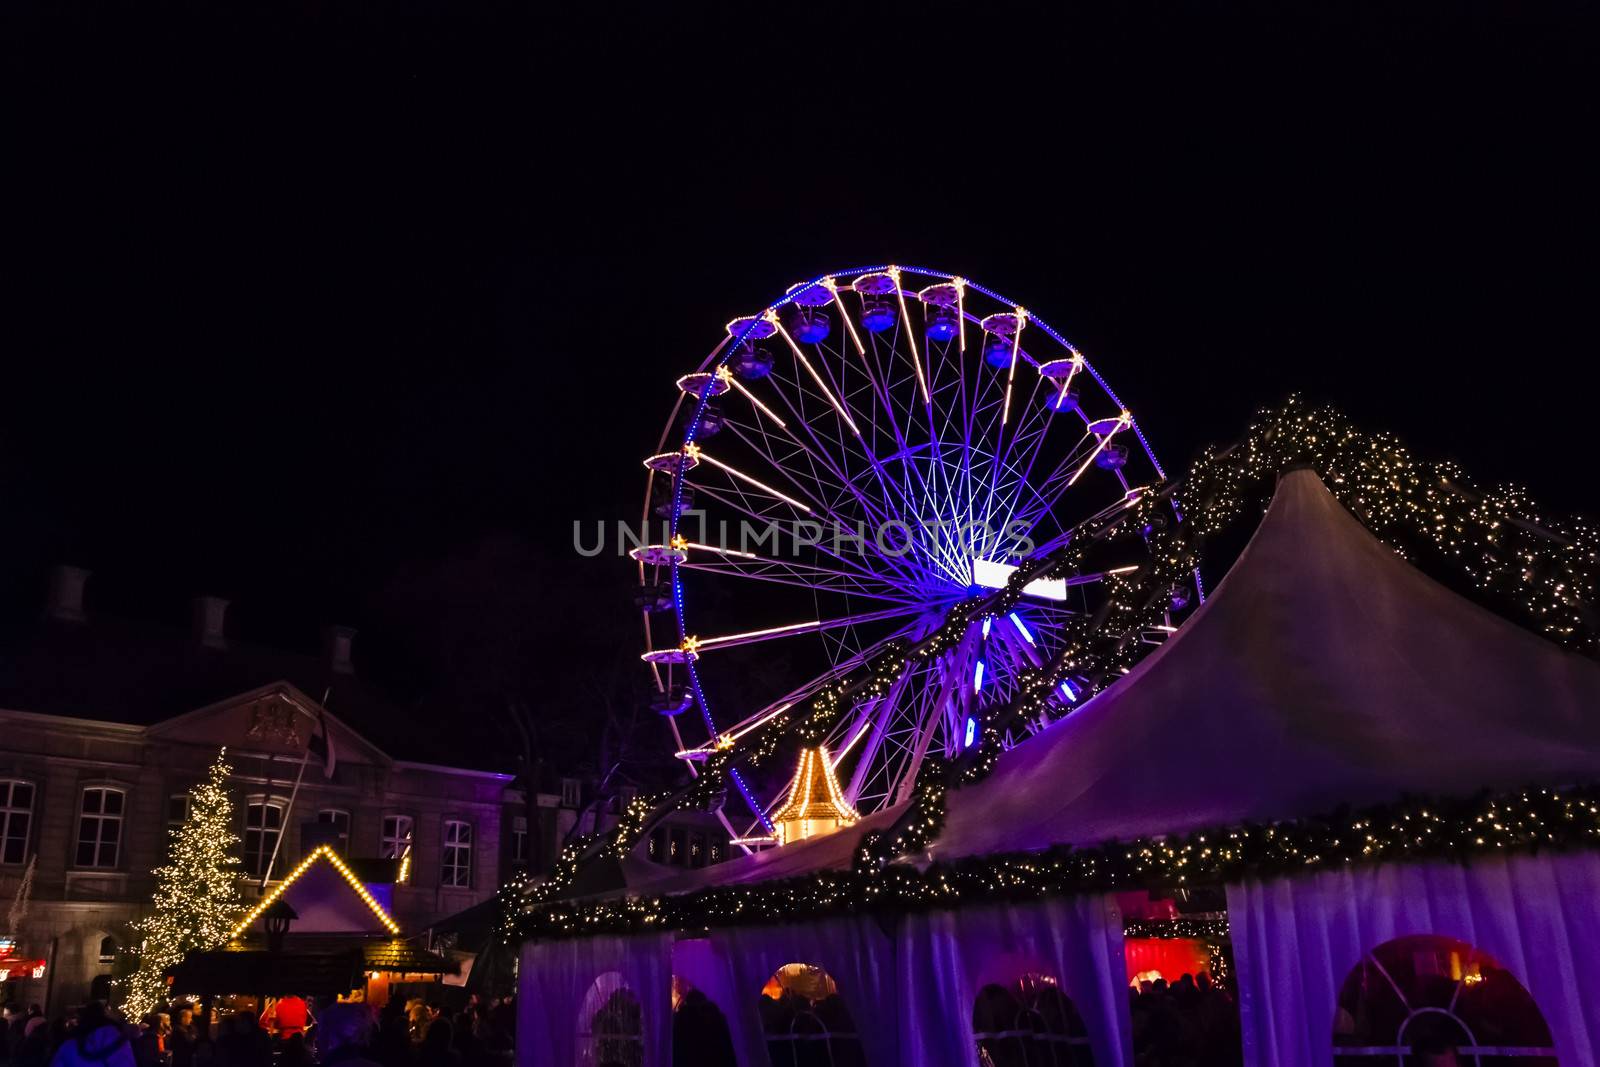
<point x="197" y="893"/>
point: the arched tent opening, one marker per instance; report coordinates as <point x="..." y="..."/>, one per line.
<point x="806" y="1022"/>
<point x="1029" y="1023"/>
<point x="700" y="1032"/>
<point x="1427" y="998"/>
<point x="610" y="1025"/>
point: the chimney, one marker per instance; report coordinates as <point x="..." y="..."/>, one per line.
<point x="336" y="646"/>
<point x="210" y="618"/>
<point x="66" y="594"/>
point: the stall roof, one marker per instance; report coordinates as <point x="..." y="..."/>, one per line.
<point x="1325" y="671"/>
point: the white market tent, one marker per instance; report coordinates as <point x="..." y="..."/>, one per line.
<point x="1324" y="671"/>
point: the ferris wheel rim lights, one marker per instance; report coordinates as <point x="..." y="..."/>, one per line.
<point x="886" y="283"/>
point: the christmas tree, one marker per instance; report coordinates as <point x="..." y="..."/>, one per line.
<point x="197" y="893"/>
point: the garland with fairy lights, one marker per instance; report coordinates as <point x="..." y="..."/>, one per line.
<point x="1204" y="929"/>
<point x="1544" y="568"/>
<point x="1412" y="830"/>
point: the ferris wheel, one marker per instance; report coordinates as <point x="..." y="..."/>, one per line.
<point x="847" y="465"/>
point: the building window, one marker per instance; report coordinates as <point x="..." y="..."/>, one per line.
<point x="697" y="849"/>
<point x="177" y="810"/>
<point x="395" y="844"/>
<point x="100" y="827"/>
<point x="1438" y="1000"/>
<point x="108" y="949"/>
<point x="396" y="840"/>
<point x="571" y="793"/>
<point x="263" y="822"/>
<point x="805" y="1020"/>
<point x="1029" y="1022"/>
<point x="611" y="1024"/>
<point x="456" y="869"/>
<point x="340" y="821"/>
<point x="519" y="839"/>
<point x="16" y="816"/>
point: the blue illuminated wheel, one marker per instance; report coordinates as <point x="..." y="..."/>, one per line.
<point x="847" y="465"/>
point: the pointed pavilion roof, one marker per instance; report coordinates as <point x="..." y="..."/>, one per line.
<point x="814" y="793"/>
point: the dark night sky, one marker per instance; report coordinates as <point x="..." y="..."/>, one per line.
<point x="302" y="300"/>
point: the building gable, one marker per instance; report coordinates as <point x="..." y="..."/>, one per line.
<point x="276" y="718"/>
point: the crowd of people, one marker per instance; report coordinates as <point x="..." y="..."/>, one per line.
<point x="291" y="1033"/>
<point x="1189" y="1023"/>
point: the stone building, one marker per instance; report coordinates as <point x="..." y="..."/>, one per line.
<point x="105" y="724"/>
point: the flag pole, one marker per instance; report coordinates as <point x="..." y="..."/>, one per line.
<point x="283" y="828"/>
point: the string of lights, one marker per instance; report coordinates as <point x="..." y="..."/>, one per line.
<point x="1488" y="825"/>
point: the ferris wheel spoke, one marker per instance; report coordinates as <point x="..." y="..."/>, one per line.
<point x="931" y="719"/>
<point x="740" y="505"/>
<point x="828" y="394"/>
<point x="739" y="729"/>
<point x="816" y="451"/>
<point x="843" y="485"/>
<point x="797" y="629"/>
<point x="843" y="529"/>
<point x="904" y="323"/>
<point x="820" y="579"/>
<point x="1012" y="482"/>
<point x="874" y="718"/>
<point x="1048" y="492"/>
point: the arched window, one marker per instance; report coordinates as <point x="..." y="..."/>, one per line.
<point x="1429" y="999"/>
<point x="700" y="1033"/>
<point x="108" y="949"/>
<point x="1029" y="1023"/>
<point x="806" y="1022"/>
<point x="610" y="1025"/>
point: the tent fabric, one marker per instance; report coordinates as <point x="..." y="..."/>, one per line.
<point x="563" y="984"/>
<point x="910" y="986"/>
<point x="1325" y="670"/>
<point x="1296" y="939"/>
